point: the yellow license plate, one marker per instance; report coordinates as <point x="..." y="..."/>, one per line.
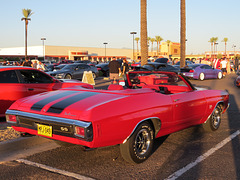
<point x="44" y="130"/>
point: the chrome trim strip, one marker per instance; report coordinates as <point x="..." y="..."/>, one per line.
<point x="49" y="118"/>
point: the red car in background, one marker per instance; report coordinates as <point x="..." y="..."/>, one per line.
<point x="18" y="82"/>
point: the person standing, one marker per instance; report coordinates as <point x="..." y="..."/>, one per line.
<point x="125" y="68"/>
<point x="114" y="70"/>
<point x="27" y="63"/>
<point x="223" y="65"/>
<point x="228" y="66"/>
<point x="40" y="66"/>
<point x="236" y="64"/>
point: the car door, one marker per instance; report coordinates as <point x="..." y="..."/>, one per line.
<point x="36" y="81"/>
<point x="80" y="70"/>
<point x="10" y="89"/>
<point x="207" y="70"/>
<point x="188" y="107"/>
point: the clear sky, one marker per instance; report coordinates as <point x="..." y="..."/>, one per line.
<point x="90" y="23"/>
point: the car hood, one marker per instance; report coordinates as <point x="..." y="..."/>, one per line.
<point x="75" y="102"/>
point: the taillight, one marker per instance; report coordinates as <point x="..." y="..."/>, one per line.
<point x="84" y="132"/>
<point x="98" y="69"/>
<point x="11" y="118"/>
<point x="79" y="131"/>
<point x="191" y="71"/>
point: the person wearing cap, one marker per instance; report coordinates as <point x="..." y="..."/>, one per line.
<point x="114" y="70"/>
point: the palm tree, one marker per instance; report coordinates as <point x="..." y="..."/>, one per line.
<point x="144" y="46"/>
<point x="152" y="41"/>
<point x="158" y="40"/>
<point x="211" y="41"/>
<point x="137" y="39"/>
<point x="225" y="40"/>
<point x="168" y="43"/>
<point x="215" y="39"/>
<point x="183" y="33"/>
<point x="26" y="13"/>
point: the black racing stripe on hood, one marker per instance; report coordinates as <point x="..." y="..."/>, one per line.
<point x="61" y="105"/>
<point x="40" y="104"/>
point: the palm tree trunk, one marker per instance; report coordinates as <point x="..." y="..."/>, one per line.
<point x="144" y="45"/>
<point x="183" y="33"/>
<point x="26" y="27"/>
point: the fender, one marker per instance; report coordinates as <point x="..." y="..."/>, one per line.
<point x="155" y="121"/>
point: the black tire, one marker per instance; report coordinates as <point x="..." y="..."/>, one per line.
<point x="68" y="76"/>
<point x="214" y="121"/>
<point x="139" y="146"/>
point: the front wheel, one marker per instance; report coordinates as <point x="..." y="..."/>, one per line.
<point x="68" y="76"/>
<point x="201" y="76"/>
<point x="214" y="121"/>
<point x="139" y="146"/>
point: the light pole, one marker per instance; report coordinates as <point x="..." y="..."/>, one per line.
<point x="105" y="48"/>
<point x="43" y="39"/>
<point x="234" y="48"/>
<point x="216" y="49"/>
<point x="133" y="41"/>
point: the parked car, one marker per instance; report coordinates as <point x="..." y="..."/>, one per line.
<point x="17" y="82"/>
<point x="162" y="60"/>
<point x="74" y="71"/>
<point x="153" y="66"/>
<point x="201" y="71"/>
<point x="187" y="63"/>
<point x="103" y="67"/>
<point x="153" y="104"/>
<point x="237" y="81"/>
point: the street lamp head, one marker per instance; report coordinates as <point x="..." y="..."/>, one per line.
<point x="105" y="43"/>
<point x="133" y="32"/>
<point x="43" y="39"/>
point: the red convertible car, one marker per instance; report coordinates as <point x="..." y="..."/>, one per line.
<point x="152" y="105"/>
<point x="18" y="82"/>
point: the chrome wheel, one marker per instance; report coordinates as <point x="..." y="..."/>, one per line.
<point x="201" y="76"/>
<point x="220" y="75"/>
<point x="142" y="142"/>
<point x="214" y="121"/>
<point x="68" y="76"/>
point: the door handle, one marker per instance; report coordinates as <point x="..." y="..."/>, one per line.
<point x="175" y="100"/>
<point x="30" y="89"/>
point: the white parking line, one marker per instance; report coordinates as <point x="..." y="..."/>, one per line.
<point x="51" y="169"/>
<point x="180" y="172"/>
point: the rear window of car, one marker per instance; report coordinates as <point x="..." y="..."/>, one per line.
<point x="8" y="77"/>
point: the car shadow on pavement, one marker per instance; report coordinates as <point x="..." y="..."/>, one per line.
<point x="234" y="125"/>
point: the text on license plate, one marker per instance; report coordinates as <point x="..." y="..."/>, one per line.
<point x="44" y="130"/>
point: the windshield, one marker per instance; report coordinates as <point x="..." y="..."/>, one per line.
<point x="69" y="66"/>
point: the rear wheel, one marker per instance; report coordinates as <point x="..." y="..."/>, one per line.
<point x="220" y="75"/>
<point x="68" y="76"/>
<point x="139" y="146"/>
<point x="214" y="121"/>
<point x="94" y="75"/>
<point x="201" y="76"/>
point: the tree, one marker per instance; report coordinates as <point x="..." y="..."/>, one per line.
<point x="152" y="41"/>
<point x="183" y="34"/>
<point x="137" y="39"/>
<point x="211" y="41"/>
<point x="215" y="39"/>
<point x="26" y="13"/>
<point x="158" y="40"/>
<point x="144" y="46"/>
<point x="225" y="40"/>
<point x="168" y="43"/>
